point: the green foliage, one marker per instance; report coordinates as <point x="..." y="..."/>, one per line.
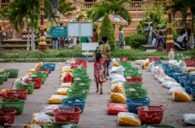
<point x="65" y="8"/>
<point x="108" y="30"/>
<point x="135" y="40"/>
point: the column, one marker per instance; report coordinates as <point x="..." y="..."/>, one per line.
<point x="0" y="3"/>
<point x="169" y="42"/>
<point x="78" y="5"/>
<point x="42" y="43"/>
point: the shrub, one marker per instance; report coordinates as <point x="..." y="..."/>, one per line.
<point x="107" y="29"/>
<point x="135" y="40"/>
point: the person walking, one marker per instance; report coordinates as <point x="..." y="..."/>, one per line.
<point x="55" y="43"/>
<point x="160" y="42"/>
<point x="95" y="36"/>
<point x="121" y="37"/>
<point x="105" y="51"/>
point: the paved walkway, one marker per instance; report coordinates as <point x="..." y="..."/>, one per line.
<point x="95" y="112"/>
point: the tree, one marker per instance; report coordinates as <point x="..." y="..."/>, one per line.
<point x="3" y="15"/>
<point x="108" y="30"/>
<point x="65" y="8"/>
<point x="87" y="14"/>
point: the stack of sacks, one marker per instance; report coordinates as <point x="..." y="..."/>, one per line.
<point x="66" y="75"/>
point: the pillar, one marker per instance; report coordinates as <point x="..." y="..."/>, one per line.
<point x="169" y="42"/>
<point x="42" y="43"/>
<point x="0" y="3"/>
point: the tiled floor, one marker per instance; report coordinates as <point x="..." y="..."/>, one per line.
<point x="95" y="112"/>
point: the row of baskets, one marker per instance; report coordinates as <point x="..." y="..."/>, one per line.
<point x="9" y="73"/>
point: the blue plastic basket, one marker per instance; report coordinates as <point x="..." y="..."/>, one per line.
<point x="171" y="71"/>
<point x="193" y="92"/>
<point x="176" y="75"/>
<point x="165" y="64"/>
<point x="158" y="63"/>
<point x="183" y="79"/>
<point x="53" y="65"/>
<point x="71" y="102"/>
<point x="170" y="68"/>
<point x="189" y="85"/>
<point x="133" y="103"/>
<point x="83" y="58"/>
<point x="45" y="67"/>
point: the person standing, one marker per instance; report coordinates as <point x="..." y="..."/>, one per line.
<point x="154" y="40"/>
<point x="121" y="37"/>
<point x="160" y="42"/>
<point x="105" y="51"/>
<point x="95" y="36"/>
<point x="55" y="43"/>
<point x="62" y="39"/>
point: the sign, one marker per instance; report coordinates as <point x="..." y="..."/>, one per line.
<point x="58" y="31"/>
<point x="73" y="29"/>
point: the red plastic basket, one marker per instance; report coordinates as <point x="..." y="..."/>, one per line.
<point x="37" y="81"/>
<point x="17" y="94"/>
<point x="123" y="59"/>
<point x="7" y="116"/>
<point x="80" y="61"/>
<point x="134" y="79"/>
<point x="46" y="69"/>
<point x="154" y="59"/>
<point x="2" y="95"/>
<point x="68" y="117"/>
<point x="78" y="65"/>
<point x="153" y="115"/>
<point x="190" y="62"/>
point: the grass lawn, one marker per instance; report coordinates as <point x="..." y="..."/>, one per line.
<point x="68" y="53"/>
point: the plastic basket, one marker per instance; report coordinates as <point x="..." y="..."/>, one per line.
<point x="136" y="85"/>
<point x="45" y="70"/>
<point x="133" y="103"/>
<point x="137" y="93"/>
<point x="77" y="92"/>
<point x="158" y="63"/>
<point x="46" y="67"/>
<point x="17" y="94"/>
<point x="169" y="68"/>
<point x="183" y="79"/>
<point x="123" y="59"/>
<point x="190" y="62"/>
<point x="13" y="72"/>
<point x="129" y="69"/>
<point x="80" y="80"/>
<point x="80" y="61"/>
<point x="133" y="79"/>
<point x="189" y="85"/>
<point x="7" y="112"/>
<point x="29" y="86"/>
<point x="15" y="104"/>
<point x="151" y="114"/>
<point x="79" y="70"/>
<point x="73" y="65"/>
<point x="37" y="81"/>
<point x="58" y="125"/>
<point x="86" y="58"/>
<point x="72" y="102"/>
<point x="154" y="59"/>
<point x="158" y="126"/>
<point x="171" y="71"/>
<point x="42" y="75"/>
<point x="53" y="65"/>
<point x="133" y="74"/>
<point x="125" y="64"/>
<point x="67" y="117"/>
<point x="83" y="76"/>
<point x="165" y="64"/>
<point x="6" y="75"/>
<point x="176" y="75"/>
<point x="2" y="78"/>
<point x="193" y="92"/>
<point x="80" y="86"/>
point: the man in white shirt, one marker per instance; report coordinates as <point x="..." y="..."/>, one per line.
<point x="121" y="36"/>
<point x="154" y="40"/>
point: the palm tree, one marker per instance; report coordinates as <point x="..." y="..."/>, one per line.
<point x="87" y="14"/>
<point x="65" y="8"/>
<point x="3" y="14"/>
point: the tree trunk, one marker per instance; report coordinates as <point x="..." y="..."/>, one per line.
<point x="192" y="34"/>
<point x="186" y="30"/>
<point x="32" y="37"/>
<point x="28" y="39"/>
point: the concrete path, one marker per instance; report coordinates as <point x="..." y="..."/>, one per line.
<point x="95" y="112"/>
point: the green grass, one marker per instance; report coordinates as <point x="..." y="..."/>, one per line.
<point x="67" y="53"/>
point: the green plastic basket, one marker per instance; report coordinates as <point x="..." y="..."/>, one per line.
<point x="58" y="125"/>
<point x="15" y="104"/>
<point x="80" y="80"/>
<point x="13" y="72"/>
<point x="158" y="126"/>
<point x="137" y="93"/>
<point x="39" y="75"/>
<point x="125" y="64"/>
<point x="136" y="85"/>
<point x="133" y="74"/>
<point x="129" y="69"/>
<point x="2" y="79"/>
<point x="80" y="86"/>
<point x="77" y="92"/>
<point x="29" y="86"/>
<point x="182" y="57"/>
<point x="78" y="70"/>
<point x="5" y="74"/>
<point x="83" y="76"/>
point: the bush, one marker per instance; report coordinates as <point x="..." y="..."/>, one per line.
<point x="135" y="40"/>
<point x="108" y="30"/>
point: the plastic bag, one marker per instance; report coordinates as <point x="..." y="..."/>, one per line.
<point x="189" y="118"/>
<point x="115" y="63"/>
<point x="56" y="99"/>
<point x="166" y="78"/>
<point x="28" y="74"/>
<point x="117" y="97"/>
<point x="39" y="64"/>
<point x="66" y="70"/>
<point x="169" y="84"/>
<point x="120" y="70"/>
<point x="172" y="62"/>
<point x="41" y="118"/>
<point x="66" y="85"/>
<point x="181" y="65"/>
<point x="172" y="89"/>
<point x="159" y="70"/>
<point x="31" y="70"/>
<point x="32" y="126"/>
<point x="119" y="89"/>
<point x="181" y="96"/>
<point x="192" y="73"/>
<point x="62" y="91"/>
<point x="190" y="69"/>
<point x="146" y="65"/>
<point x="127" y="118"/>
<point x="151" y="66"/>
<point x="113" y="69"/>
<point x="156" y="76"/>
<point x="114" y="109"/>
<point x="2" y="70"/>
<point x="119" y="79"/>
<point x="111" y="65"/>
<point x="115" y="76"/>
<point x="139" y="61"/>
<point x="49" y="109"/>
<point x="171" y="54"/>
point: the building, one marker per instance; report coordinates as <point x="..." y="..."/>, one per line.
<point x="134" y="8"/>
